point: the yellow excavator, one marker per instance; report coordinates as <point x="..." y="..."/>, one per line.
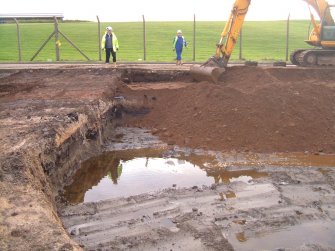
<point x="322" y="37"/>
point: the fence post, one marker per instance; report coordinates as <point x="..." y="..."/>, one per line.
<point x="99" y="38"/>
<point x="287" y="35"/>
<point x="18" y="39"/>
<point x="194" y="34"/>
<point x="144" y="40"/>
<point x="57" y="39"/>
<point x="240" y="53"/>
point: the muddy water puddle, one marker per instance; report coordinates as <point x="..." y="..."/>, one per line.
<point x="128" y="173"/>
<point x="142" y="175"/>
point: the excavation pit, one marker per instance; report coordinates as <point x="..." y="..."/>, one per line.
<point x="276" y="122"/>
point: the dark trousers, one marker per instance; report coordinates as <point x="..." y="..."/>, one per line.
<point x="110" y="51"/>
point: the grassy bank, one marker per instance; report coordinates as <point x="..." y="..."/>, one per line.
<point x="262" y="40"/>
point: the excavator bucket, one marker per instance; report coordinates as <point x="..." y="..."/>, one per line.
<point x="210" y="71"/>
<point x="207" y="73"/>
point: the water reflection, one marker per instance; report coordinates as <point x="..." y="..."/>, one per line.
<point x="93" y="170"/>
<point x="115" y="173"/>
<point x="230" y="176"/>
<point x="141" y="175"/>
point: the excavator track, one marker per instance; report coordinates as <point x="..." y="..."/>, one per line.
<point x="295" y="55"/>
<point x="313" y="57"/>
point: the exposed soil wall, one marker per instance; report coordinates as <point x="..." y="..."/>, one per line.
<point x="50" y="121"/>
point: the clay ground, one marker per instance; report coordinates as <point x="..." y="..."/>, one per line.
<point x="53" y="117"/>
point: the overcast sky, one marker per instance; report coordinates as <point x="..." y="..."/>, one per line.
<point x="157" y="10"/>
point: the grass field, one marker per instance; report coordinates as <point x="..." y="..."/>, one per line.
<point x="262" y="40"/>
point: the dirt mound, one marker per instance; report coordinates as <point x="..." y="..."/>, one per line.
<point x="256" y="109"/>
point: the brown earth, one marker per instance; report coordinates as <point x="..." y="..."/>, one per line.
<point x="52" y="119"/>
<point x="255" y="109"/>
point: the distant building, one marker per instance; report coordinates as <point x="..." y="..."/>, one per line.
<point x="30" y="17"/>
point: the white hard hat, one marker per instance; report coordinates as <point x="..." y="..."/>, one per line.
<point x="109" y="28"/>
<point x="179" y="31"/>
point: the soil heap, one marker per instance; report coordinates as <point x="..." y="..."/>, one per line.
<point x="254" y="109"/>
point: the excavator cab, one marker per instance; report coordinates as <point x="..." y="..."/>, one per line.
<point x="328" y="33"/>
<point x="328" y="29"/>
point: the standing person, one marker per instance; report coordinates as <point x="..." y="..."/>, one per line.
<point x="178" y="43"/>
<point x="110" y="43"/>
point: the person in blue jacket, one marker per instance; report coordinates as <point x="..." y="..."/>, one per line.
<point x="178" y="43"/>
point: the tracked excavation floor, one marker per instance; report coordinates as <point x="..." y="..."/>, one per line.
<point x="292" y="209"/>
<point x="276" y="121"/>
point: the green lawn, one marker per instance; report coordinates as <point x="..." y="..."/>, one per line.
<point x="262" y="40"/>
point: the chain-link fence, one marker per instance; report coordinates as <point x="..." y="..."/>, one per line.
<point x="147" y="41"/>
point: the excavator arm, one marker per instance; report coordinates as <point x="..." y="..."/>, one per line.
<point x="231" y="32"/>
<point x="215" y="66"/>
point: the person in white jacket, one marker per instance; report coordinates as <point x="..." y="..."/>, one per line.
<point x="178" y="43"/>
